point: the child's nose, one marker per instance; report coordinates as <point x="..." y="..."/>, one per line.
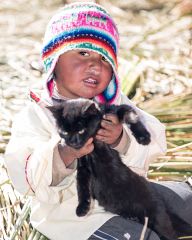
<point x="95" y="64"/>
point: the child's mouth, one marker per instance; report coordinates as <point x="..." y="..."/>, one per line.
<point x="90" y="82"/>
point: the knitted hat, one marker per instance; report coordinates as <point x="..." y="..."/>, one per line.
<point x="86" y="26"/>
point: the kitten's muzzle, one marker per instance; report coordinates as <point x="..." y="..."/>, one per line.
<point x="74" y="145"/>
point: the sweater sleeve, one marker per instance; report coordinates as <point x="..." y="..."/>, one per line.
<point x="60" y="171"/>
<point x="124" y="143"/>
<point x="29" y="155"/>
<point x="137" y="156"/>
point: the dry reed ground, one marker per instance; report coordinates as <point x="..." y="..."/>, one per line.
<point x="155" y="68"/>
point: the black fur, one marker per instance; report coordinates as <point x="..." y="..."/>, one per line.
<point x="103" y="176"/>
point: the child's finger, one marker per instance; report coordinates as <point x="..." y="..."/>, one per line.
<point x="89" y="141"/>
<point x="89" y="148"/>
<point x="104" y="132"/>
<point x="111" y="118"/>
<point x="107" y="125"/>
<point x="101" y="138"/>
<point x="110" y="126"/>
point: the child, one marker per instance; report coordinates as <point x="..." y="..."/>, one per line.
<point x="80" y="58"/>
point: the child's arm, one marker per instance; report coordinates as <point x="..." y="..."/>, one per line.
<point x="135" y="155"/>
<point x="138" y="156"/>
<point x="67" y="155"/>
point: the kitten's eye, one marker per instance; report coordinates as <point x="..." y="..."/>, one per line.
<point x="63" y="133"/>
<point x="84" y="53"/>
<point x="81" y="131"/>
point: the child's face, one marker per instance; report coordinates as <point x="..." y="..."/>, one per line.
<point x="82" y="73"/>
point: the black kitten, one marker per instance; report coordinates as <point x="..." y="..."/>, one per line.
<point x="103" y="176"/>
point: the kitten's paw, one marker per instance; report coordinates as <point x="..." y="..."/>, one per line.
<point x="82" y="210"/>
<point x="144" y="139"/>
<point x="140" y="133"/>
<point x="130" y="117"/>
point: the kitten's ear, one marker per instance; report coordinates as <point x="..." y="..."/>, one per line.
<point x="57" y="111"/>
<point x="90" y="109"/>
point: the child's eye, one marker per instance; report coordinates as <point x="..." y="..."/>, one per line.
<point x="104" y="59"/>
<point x="81" y="131"/>
<point x="84" y="53"/>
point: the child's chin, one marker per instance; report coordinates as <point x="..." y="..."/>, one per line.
<point x="88" y="95"/>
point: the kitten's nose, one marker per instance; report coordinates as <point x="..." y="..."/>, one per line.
<point x="75" y="145"/>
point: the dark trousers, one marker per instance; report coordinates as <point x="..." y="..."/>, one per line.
<point x="177" y="194"/>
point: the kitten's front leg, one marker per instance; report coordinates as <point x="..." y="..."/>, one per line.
<point x="128" y="115"/>
<point x="83" y="186"/>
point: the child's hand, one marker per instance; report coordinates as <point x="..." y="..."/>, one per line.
<point x="86" y="149"/>
<point x="111" y="130"/>
<point x="69" y="154"/>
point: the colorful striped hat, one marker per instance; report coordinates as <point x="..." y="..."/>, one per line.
<point x="86" y="26"/>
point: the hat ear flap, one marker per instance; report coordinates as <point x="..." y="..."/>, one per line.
<point x="50" y="87"/>
<point x="111" y="91"/>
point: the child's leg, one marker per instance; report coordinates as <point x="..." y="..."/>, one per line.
<point x="118" y="228"/>
<point x="178" y="196"/>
